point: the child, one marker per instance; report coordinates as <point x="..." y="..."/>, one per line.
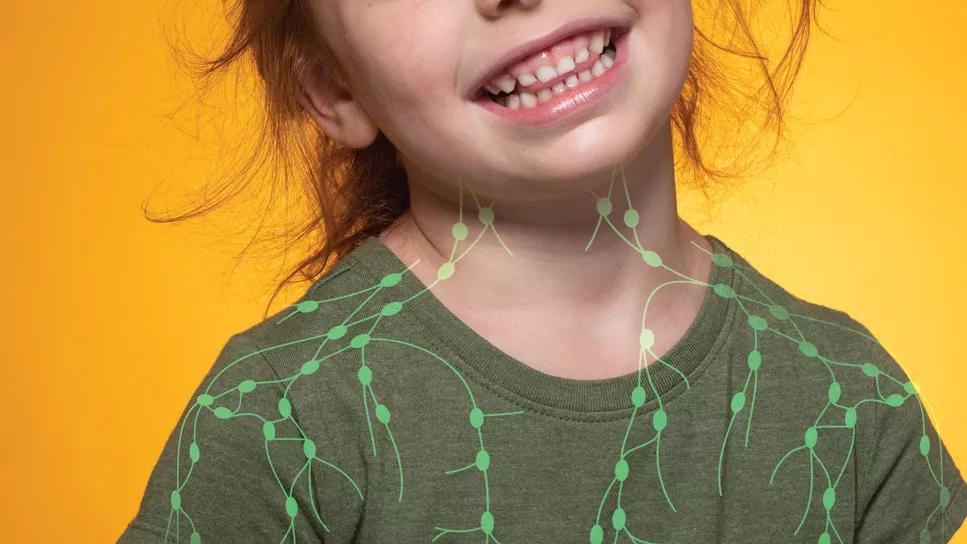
<point x="520" y="340"/>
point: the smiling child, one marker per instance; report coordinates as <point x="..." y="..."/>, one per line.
<point x="517" y="339"/>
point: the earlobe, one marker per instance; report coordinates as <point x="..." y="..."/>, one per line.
<point x="336" y="112"/>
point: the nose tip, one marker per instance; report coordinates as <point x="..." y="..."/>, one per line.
<point x="495" y="8"/>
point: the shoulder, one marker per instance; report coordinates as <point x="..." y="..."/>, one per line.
<point x="295" y="349"/>
<point x="241" y="430"/>
<point x="803" y="322"/>
<point x="294" y="334"/>
<point x="903" y="470"/>
<point x="816" y="344"/>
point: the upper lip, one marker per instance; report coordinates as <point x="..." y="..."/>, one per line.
<point x="538" y="44"/>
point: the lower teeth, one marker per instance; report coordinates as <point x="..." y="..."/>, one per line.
<point x="517" y="100"/>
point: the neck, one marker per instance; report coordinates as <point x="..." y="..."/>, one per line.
<point x="537" y="259"/>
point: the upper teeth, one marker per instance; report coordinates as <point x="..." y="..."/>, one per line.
<point x="597" y="43"/>
<point x="565" y="65"/>
<point x="559" y="60"/>
<point x="527" y="100"/>
<point x="506" y="83"/>
<point x="546" y="72"/>
<point x="526" y="79"/>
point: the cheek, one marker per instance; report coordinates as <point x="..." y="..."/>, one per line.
<point x="665" y="49"/>
<point x="659" y="57"/>
<point x="411" y="98"/>
<point x="419" y="85"/>
<point x="412" y="101"/>
<point x="406" y="64"/>
<point x="681" y="36"/>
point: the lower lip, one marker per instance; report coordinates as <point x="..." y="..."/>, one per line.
<point x="571" y="101"/>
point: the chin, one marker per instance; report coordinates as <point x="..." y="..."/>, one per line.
<point x="586" y="157"/>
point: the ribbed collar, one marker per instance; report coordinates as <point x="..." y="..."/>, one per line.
<point x="457" y="340"/>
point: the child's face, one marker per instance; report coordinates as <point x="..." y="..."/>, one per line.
<point x="415" y="68"/>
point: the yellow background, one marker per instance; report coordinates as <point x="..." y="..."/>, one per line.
<point x="111" y="320"/>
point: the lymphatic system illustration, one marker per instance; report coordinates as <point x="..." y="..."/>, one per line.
<point x="835" y="414"/>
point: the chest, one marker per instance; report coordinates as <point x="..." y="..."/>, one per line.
<point x="530" y="479"/>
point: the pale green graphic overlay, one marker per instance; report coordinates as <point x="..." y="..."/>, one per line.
<point x="217" y="400"/>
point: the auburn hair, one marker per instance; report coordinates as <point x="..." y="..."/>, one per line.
<point x="733" y="99"/>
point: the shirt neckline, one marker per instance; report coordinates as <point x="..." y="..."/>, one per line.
<point x="527" y="385"/>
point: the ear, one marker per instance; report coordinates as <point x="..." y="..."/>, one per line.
<point x="335" y="110"/>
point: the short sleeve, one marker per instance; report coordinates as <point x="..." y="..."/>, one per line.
<point x="233" y="469"/>
<point x="909" y="488"/>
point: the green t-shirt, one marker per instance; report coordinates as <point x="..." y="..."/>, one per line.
<point x="368" y="413"/>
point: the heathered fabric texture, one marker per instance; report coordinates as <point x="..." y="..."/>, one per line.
<point x="348" y="418"/>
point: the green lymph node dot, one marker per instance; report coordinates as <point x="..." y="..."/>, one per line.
<point x="647" y="339"/>
<point x="779" y="312"/>
<point x="755" y="360"/>
<point x="829" y="498"/>
<point x="445" y="271"/>
<point x="391" y="308"/>
<point x="459" y="231"/>
<point x="291" y="507"/>
<point x="175" y="500"/>
<point x="618" y="518"/>
<point x="621" y="470"/>
<point x="487" y="522"/>
<point x="870" y="370"/>
<point x="483" y="460"/>
<point x="359" y="340"/>
<point x="834" y="392"/>
<point x="596" y="536"/>
<point x="247" y="386"/>
<point x="390" y="280"/>
<point x="382" y="413"/>
<point x="910" y="388"/>
<point x="310" y="367"/>
<point x="723" y="290"/>
<point x="193" y="452"/>
<point x="651" y="258"/>
<point x="924" y="536"/>
<point x="721" y="259"/>
<point x="944" y="496"/>
<point x="757" y="322"/>
<point x="307" y="306"/>
<point x="604" y="206"/>
<point x="738" y="401"/>
<point x="365" y="375"/>
<point x="195" y="538"/>
<point x="285" y="407"/>
<point x="895" y="400"/>
<point x="924" y="445"/>
<point x="849" y="419"/>
<point x="223" y="412"/>
<point x="486" y="215"/>
<point x="638" y="396"/>
<point x="823" y="538"/>
<point x="205" y="399"/>
<point x="659" y="420"/>
<point x="811" y="437"/>
<point x="337" y="332"/>
<point x="309" y="449"/>
<point x="476" y="418"/>
<point x="631" y="219"/>
<point x="268" y="430"/>
<point x="808" y="349"/>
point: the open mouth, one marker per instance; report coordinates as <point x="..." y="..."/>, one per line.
<point x="566" y="65"/>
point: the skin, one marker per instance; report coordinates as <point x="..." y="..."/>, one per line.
<point x="410" y="67"/>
